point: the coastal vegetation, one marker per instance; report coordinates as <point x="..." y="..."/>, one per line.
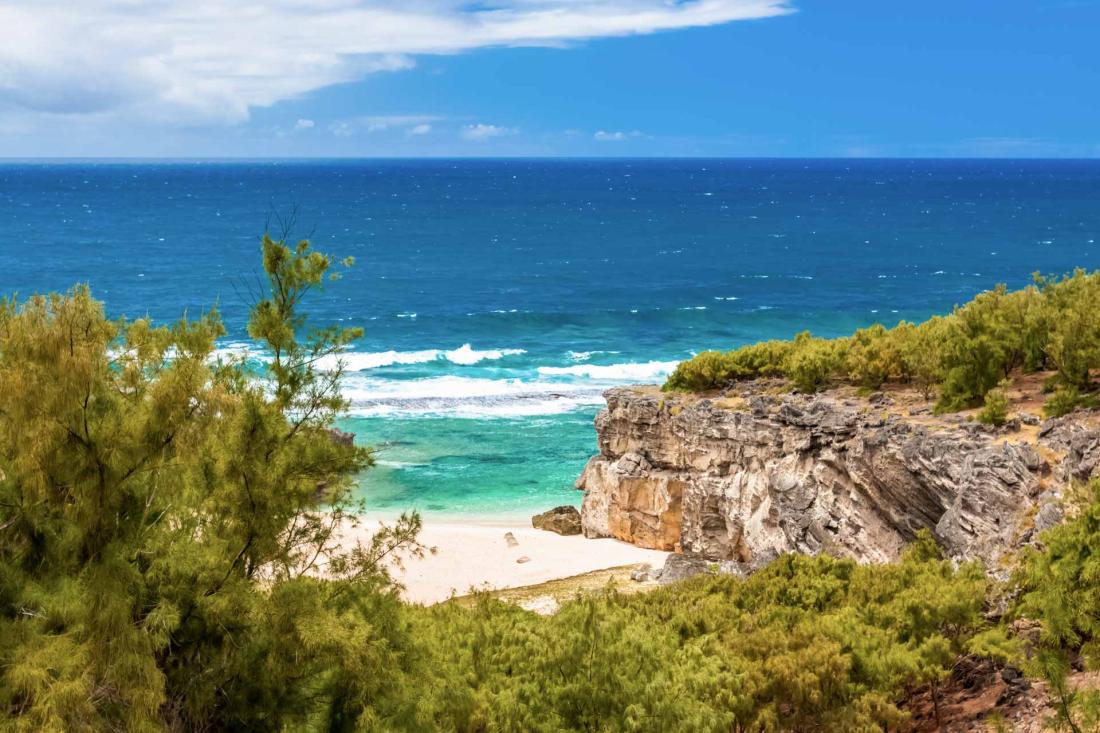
<point x="961" y="358"/>
<point x="171" y="554"/>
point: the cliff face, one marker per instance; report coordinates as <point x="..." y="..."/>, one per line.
<point x="747" y="478"/>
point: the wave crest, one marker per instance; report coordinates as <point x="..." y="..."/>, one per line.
<point x="633" y="371"/>
<point x="465" y="355"/>
<point x="466" y="397"/>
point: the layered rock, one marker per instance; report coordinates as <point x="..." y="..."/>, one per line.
<point x="748" y="478"/>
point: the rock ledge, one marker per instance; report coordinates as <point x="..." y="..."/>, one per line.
<point x="745" y="479"/>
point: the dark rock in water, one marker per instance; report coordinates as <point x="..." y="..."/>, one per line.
<point x="564" y="520"/>
<point x="681" y="567"/>
<point x="339" y="437"/>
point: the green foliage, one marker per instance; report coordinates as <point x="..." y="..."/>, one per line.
<point x="811" y="362"/>
<point x="1061" y="587"/>
<point x="1073" y="346"/>
<point x="712" y="369"/>
<point x="874" y="357"/>
<point x="807" y="643"/>
<point x="919" y="347"/>
<point x="1065" y="400"/>
<point x="1054" y="324"/>
<point x="995" y="409"/>
<point x="160" y="516"/>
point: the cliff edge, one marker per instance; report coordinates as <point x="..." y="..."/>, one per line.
<point x="757" y="472"/>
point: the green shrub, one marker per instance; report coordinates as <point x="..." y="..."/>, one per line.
<point x="1061" y="590"/>
<point x="1053" y="324"/>
<point x="1072" y="345"/>
<point x="1065" y="400"/>
<point x="707" y="370"/>
<point x="995" y="411"/>
<point x="873" y="357"/>
<point x="807" y="643"/>
<point x="812" y="362"/>
<point x="160" y="517"/>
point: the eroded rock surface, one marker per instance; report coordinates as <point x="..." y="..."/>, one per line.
<point x="770" y="474"/>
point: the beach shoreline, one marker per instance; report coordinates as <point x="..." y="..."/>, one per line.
<point x="474" y="553"/>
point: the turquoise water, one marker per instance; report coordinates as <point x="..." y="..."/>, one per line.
<point x="500" y="298"/>
<point x="449" y="465"/>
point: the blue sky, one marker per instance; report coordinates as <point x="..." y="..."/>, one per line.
<point x="549" y="77"/>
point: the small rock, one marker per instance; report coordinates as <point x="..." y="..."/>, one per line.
<point x="565" y="520"/>
<point x="681" y="566"/>
<point x="1049" y="514"/>
<point x="1008" y="674"/>
<point x="1027" y="418"/>
<point x="523" y="559"/>
<point x="511" y="539"/>
<point x="758" y="405"/>
<point x="339" y="437"/>
<point x="645" y="575"/>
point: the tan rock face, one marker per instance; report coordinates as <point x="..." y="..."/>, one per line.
<point x="815" y="473"/>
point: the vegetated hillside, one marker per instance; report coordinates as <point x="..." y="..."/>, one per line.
<point x="165" y="518"/>
<point x="962" y="358"/>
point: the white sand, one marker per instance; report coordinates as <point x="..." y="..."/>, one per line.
<point x="475" y="554"/>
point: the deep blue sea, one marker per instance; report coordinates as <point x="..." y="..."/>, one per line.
<point x="501" y="297"/>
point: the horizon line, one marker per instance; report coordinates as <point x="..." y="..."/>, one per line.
<point x="499" y="158"/>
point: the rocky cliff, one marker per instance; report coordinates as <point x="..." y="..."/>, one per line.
<point x="747" y="476"/>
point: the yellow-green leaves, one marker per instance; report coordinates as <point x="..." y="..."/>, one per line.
<point x="1054" y="324"/>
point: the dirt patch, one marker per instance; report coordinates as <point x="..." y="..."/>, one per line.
<point x="980" y="699"/>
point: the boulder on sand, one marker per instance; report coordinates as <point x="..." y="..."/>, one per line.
<point x="564" y="520"/>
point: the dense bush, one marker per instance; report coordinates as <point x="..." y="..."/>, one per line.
<point x="995" y="410"/>
<point x="160" y="514"/>
<point x="1053" y="324"/>
<point x="806" y="644"/>
<point x="1062" y="590"/>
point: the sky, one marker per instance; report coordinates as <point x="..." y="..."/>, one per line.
<point x="443" y="78"/>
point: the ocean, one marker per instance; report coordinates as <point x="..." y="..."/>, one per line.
<point x="499" y="298"/>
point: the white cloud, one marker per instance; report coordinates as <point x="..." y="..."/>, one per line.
<point x="411" y="124"/>
<point x="215" y="60"/>
<point x="385" y="122"/>
<point x="341" y="128"/>
<point x="616" y="136"/>
<point x="303" y="124"/>
<point x="482" y="131"/>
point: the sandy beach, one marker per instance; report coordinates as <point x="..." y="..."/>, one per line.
<point x="475" y="554"/>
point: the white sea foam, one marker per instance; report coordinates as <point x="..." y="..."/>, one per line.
<point x="586" y="355"/>
<point x="466" y="397"/>
<point x="465" y="355"/>
<point x="629" y="372"/>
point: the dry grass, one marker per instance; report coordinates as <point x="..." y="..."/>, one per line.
<point x="546" y="597"/>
